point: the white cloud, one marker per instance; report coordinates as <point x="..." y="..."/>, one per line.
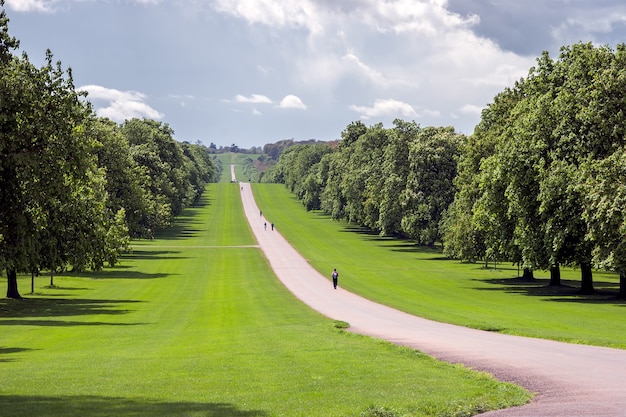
<point x="385" y="107"/>
<point x="368" y="72"/>
<point x="414" y="50"/>
<point x="120" y="105"/>
<point x="294" y="13"/>
<point x="471" y="109"/>
<point x="254" y="98"/>
<point x="45" y="6"/>
<point x="49" y="6"/>
<point x="292" y="102"/>
<point x="432" y="61"/>
<point x="288" y="102"/>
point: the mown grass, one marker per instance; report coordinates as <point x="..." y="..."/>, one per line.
<point x="421" y="281"/>
<point x="236" y="159"/>
<point x="194" y="323"/>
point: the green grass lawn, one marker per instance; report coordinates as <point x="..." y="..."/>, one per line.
<point x="421" y="281"/>
<point x="194" y="323"/>
<point x="236" y="159"/>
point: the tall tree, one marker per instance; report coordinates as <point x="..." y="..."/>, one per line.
<point x="333" y="199"/>
<point x="604" y="188"/>
<point x="465" y="235"/>
<point x="395" y="170"/>
<point x="122" y="175"/>
<point x="44" y="155"/>
<point x="362" y="181"/>
<point x="433" y="158"/>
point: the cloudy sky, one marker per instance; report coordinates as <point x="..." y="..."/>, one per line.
<point x="252" y="72"/>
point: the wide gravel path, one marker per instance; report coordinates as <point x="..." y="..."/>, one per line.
<point x="569" y="380"/>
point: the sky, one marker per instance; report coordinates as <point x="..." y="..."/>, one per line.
<point x="252" y="72"/>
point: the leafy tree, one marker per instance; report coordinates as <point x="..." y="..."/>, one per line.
<point x="44" y="158"/>
<point x="161" y="173"/>
<point x="395" y="169"/>
<point x="566" y="114"/>
<point x="433" y="157"/>
<point x="199" y="167"/>
<point x="362" y="181"/>
<point x="584" y="121"/>
<point x="274" y="150"/>
<point x="465" y="234"/>
<point x="604" y="188"/>
<point x="333" y="199"/>
<point x="315" y="183"/>
<point x="122" y="175"/>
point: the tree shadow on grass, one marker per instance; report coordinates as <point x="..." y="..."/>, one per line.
<point x="181" y="229"/>
<point x="188" y="224"/>
<point x="10" y="351"/>
<point x="569" y="291"/>
<point x="398" y="243"/>
<point x="22" y="311"/>
<point x="97" y="406"/>
<point x="117" y="274"/>
<point x="152" y="254"/>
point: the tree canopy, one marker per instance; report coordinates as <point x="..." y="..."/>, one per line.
<point x="74" y="187"/>
<point x="532" y="185"/>
<point x="540" y="182"/>
<point x="395" y="181"/>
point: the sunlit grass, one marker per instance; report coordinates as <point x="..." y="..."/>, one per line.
<point x="194" y="323"/>
<point x="421" y="281"/>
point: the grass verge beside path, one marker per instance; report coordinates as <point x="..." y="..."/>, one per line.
<point x="237" y="159"/>
<point x="420" y="281"/>
<point x="195" y="323"/>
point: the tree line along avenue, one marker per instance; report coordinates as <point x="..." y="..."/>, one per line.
<point x="540" y="183"/>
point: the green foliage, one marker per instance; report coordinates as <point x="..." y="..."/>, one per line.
<point x="433" y="157"/>
<point x="74" y="186"/>
<point x="521" y="193"/>
<point x="299" y="169"/>
<point x="51" y="199"/>
<point x="395" y="171"/>
<point x="170" y="175"/>
<point x="395" y="181"/>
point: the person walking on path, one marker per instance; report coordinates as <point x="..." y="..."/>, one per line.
<point x="272" y="226"/>
<point x="265" y="225"/>
<point x="335" y="276"/>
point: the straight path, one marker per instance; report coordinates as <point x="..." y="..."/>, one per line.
<point x="569" y="380"/>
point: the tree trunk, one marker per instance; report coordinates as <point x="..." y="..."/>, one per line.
<point x="32" y="282"/>
<point x="12" y="291"/>
<point x="51" y="278"/>
<point x="528" y="275"/>
<point x="555" y="275"/>
<point x="622" y="285"/>
<point x="586" y="283"/>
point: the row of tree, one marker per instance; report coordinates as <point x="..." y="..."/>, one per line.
<point x="396" y="181"/>
<point x="541" y="182"/>
<point x="74" y="187"/>
<point x="542" y="179"/>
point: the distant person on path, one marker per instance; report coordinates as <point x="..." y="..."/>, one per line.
<point x="335" y="276"/>
<point x="272" y="226"/>
<point x="265" y="225"/>
<point x="261" y="213"/>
